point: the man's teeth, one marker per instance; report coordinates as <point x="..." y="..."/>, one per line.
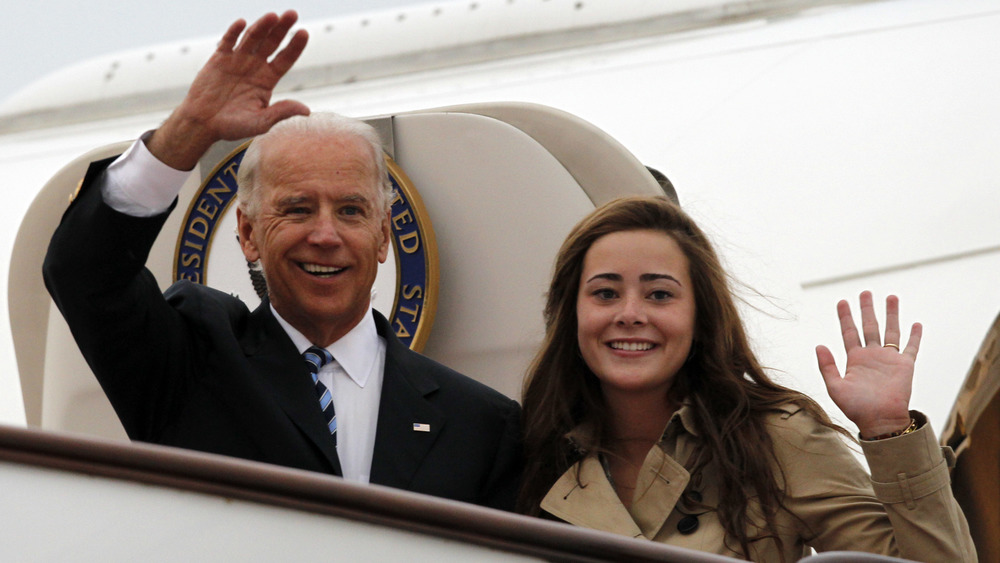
<point x="320" y="270"/>
<point x="631" y="346"/>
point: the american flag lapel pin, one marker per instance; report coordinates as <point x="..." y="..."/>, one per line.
<point x="421" y="427"/>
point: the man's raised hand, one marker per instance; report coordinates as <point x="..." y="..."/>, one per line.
<point x="230" y="97"/>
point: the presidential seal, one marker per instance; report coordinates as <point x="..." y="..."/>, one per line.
<point x="406" y="287"/>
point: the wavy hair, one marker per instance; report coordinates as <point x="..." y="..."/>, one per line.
<point x="722" y="381"/>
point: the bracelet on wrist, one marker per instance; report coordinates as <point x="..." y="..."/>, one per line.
<point x="907" y="430"/>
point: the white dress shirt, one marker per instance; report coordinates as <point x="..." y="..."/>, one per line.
<point x="354" y="378"/>
<point x="138" y="184"/>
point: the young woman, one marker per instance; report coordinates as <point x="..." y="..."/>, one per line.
<point x="647" y="414"/>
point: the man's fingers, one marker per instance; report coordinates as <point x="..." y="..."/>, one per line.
<point x="276" y="34"/>
<point x="231" y="35"/>
<point x="287" y="56"/>
<point x="256" y="33"/>
<point x="284" y="109"/>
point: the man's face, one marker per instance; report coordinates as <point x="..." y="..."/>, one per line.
<point x="319" y="232"/>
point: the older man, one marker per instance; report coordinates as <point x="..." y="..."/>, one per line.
<point x="314" y="378"/>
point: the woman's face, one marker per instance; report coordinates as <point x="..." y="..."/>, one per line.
<point x="635" y="311"/>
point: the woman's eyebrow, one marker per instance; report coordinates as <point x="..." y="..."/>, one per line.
<point x="654" y="277"/>
<point x="644" y="277"/>
<point x="607" y="276"/>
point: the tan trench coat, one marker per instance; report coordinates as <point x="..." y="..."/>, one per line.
<point x="904" y="509"/>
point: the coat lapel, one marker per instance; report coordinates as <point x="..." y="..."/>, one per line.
<point x="400" y="449"/>
<point x="590" y="502"/>
<point x="593" y="503"/>
<point x="659" y="486"/>
<point x="277" y="362"/>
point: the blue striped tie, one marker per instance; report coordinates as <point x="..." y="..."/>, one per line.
<point x="316" y="358"/>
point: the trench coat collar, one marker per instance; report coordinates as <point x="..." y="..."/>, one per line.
<point x="682" y="421"/>
<point x="584" y="496"/>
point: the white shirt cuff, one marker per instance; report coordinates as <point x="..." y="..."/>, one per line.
<point x="138" y="184"/>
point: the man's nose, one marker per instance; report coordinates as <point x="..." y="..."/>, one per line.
<point x="325" y="231"/>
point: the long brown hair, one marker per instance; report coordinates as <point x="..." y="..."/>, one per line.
<point x="722" y="381"/>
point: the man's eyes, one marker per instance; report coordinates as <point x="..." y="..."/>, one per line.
<point x="345" y="211"/>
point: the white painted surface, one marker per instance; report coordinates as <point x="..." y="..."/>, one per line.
<point x="52" y="515"/>
<point x="827" y="144"/>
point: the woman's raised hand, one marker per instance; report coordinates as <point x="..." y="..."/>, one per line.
<point x="874" y="391"/>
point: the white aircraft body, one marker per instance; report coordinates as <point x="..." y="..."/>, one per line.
<point x="827" y="147"/>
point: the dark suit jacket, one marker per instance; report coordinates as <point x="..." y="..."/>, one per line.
<point x="194" y="368"/>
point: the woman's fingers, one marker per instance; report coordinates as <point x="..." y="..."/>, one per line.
<point x="848" y="330"/>
<point x="869" y="322"/>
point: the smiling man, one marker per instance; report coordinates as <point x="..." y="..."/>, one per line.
<point x="313" y="378"/>
<point x="318" y="220"/>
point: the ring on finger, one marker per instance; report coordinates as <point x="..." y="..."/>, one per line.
<point x="891" y="345"/>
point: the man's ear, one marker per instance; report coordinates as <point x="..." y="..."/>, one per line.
<point x="383" y="249"/>
<point x="244" y="226"/>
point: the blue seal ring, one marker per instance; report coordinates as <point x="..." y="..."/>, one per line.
<point x="413" y="242"/>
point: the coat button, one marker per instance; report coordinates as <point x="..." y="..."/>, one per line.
<point x="688" y="524"/>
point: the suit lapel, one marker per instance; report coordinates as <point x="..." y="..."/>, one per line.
<point x="400" y="449"/>
<point x="277" y="362"/>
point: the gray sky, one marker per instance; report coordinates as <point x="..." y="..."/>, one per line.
<point x="41" y="37"/>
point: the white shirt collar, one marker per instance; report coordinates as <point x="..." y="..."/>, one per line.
<point x="356" y="351"/>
